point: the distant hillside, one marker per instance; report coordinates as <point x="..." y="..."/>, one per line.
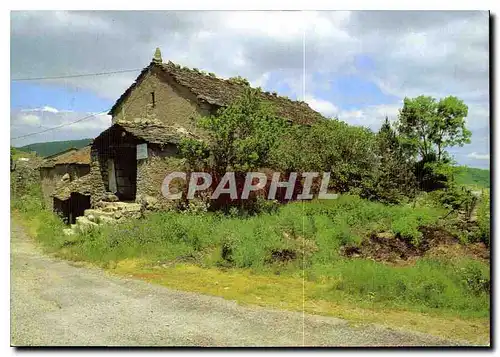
<point x="53" y="147"/>
<point x="472" y="176"/>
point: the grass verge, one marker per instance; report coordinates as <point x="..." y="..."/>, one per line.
<point x="243" y="259"/>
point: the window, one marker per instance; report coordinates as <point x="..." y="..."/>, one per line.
<point x="153" y="99"/>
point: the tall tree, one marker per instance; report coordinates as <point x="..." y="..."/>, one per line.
<point x="394" y="178"/>
<point x="429" y="126"/>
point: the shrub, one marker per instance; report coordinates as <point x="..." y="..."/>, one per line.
<point x="483" y="218"/>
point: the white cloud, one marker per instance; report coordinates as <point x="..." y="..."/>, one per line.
<point x="323" y="106"/>
<point x="477" y="156"/>
<point x="30" y="119"/>
<point x="50" y="109"/>
<point x="42" y="109"/>
<point x="371" y="116"/>
<point x="37" y="120"/>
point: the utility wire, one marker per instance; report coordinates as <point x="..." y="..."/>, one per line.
<point x="76" y="121"/>
<point x="60" y="126"/>
<point x="74" y="75"/>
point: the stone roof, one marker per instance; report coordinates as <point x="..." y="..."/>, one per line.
<point x="83" y="185"/>
<point x="151" y="131"/>
<point x="57" y="154"/>
<point x="70" y="156"/>
<point x="221" y="92"/>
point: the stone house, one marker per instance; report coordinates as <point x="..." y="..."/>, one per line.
<point x="65" y="166"/>
<point x="132" y="157"/>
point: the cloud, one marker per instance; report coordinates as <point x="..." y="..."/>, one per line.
<point x="323" y="106"/>
<point x="372" y="116"/>
<point x="477" y="156"/>
<point x="30" y="119"/>
<point x="37" y="120"/>
<point x="43" y="109"/>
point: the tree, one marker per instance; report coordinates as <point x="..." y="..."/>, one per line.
<point x="239" y="136"/>
<point x="394" y="177"/>
<point x="347" y="152"/>
<point x="429" y="126"/>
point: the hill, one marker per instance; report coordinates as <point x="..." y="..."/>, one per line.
<point x="471" y="176"/>
<point x="53" y="147"/>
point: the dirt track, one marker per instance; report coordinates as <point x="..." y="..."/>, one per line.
<point x="54" y="303"/>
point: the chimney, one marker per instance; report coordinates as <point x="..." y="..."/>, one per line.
<point x="157" y="56"/>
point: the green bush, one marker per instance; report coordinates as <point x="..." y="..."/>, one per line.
<point x="458" y="287"/>
<point x="483" y="218"/>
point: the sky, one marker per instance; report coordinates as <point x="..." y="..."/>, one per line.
<point x="357" y="66"/>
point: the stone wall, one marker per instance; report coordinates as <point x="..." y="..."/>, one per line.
<point x="51" y="177"/>
<point x="92" y="184"/>
<point x="152" y="172"/>
<point x="173" y="104"/>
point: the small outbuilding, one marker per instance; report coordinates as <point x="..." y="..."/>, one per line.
<point x="65" y="166"/>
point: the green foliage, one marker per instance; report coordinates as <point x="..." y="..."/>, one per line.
<point x="407" y="226"/>
<point x="240" y="136"/>
<point x="27" y="198"/>
<point x="483" y="218"/>
<point x="348" y="152"/>
<point x="195" y="152"/>
<point x="54" y="147"/>
<point x="455" y="197"/>
<point x="473" y="177"/>
<point x="429" y="285"/>
<point x="394" y="179"/>
<point x="429" y="126"/>
<point x="239" y="80"/>
<point x="315" y="231"/>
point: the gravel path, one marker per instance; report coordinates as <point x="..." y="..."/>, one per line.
<point x="54" y="303"/>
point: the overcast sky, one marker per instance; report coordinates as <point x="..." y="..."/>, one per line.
<point x="358" y="65"/>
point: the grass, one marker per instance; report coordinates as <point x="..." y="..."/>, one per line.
<point x="473" y="177"/>
<point x="235" y="257"/>
<point x="285" y="292"/>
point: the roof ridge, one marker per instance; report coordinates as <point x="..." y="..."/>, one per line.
<point x="221" y="92"/>
<point x="212" y="75"/>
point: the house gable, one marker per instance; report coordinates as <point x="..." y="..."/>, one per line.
<point x="181" y="94"/>
<point x="157" y="97"/>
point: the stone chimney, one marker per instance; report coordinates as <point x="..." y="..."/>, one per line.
<point x="157" y="56"/>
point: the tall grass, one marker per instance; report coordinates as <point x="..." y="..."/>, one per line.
<point x="315" y="231"/>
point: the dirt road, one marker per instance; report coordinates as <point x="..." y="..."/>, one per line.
<point x="54" y="303"/>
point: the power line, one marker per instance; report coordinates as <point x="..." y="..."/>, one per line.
<point x="76" y="121"/>
<point x="60" y="126"/>
<point x="75" y="75"/>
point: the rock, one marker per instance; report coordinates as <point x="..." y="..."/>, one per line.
<point x="92" y="218"/>
<point x="118" y="215"/>
<point x="68" y="232"/>
<point x="150" y="203"/>
<point x="131" y="207"/>
<point x="66" y="178"/>
<point x="84" y="224"/>
<point x="107" y="220"/>
<point x="110" y="197"/>
<point x="110" y="208"/>
<point x="97" y="213"/>
<point x="99" y="204"/>
<point x="385" y="235"/>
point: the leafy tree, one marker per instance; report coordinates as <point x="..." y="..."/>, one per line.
<point x="394" y="177"/>
<point x="239" y="136"/>
<point x="429" y="126"/>
<point x="331" y="145"/>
